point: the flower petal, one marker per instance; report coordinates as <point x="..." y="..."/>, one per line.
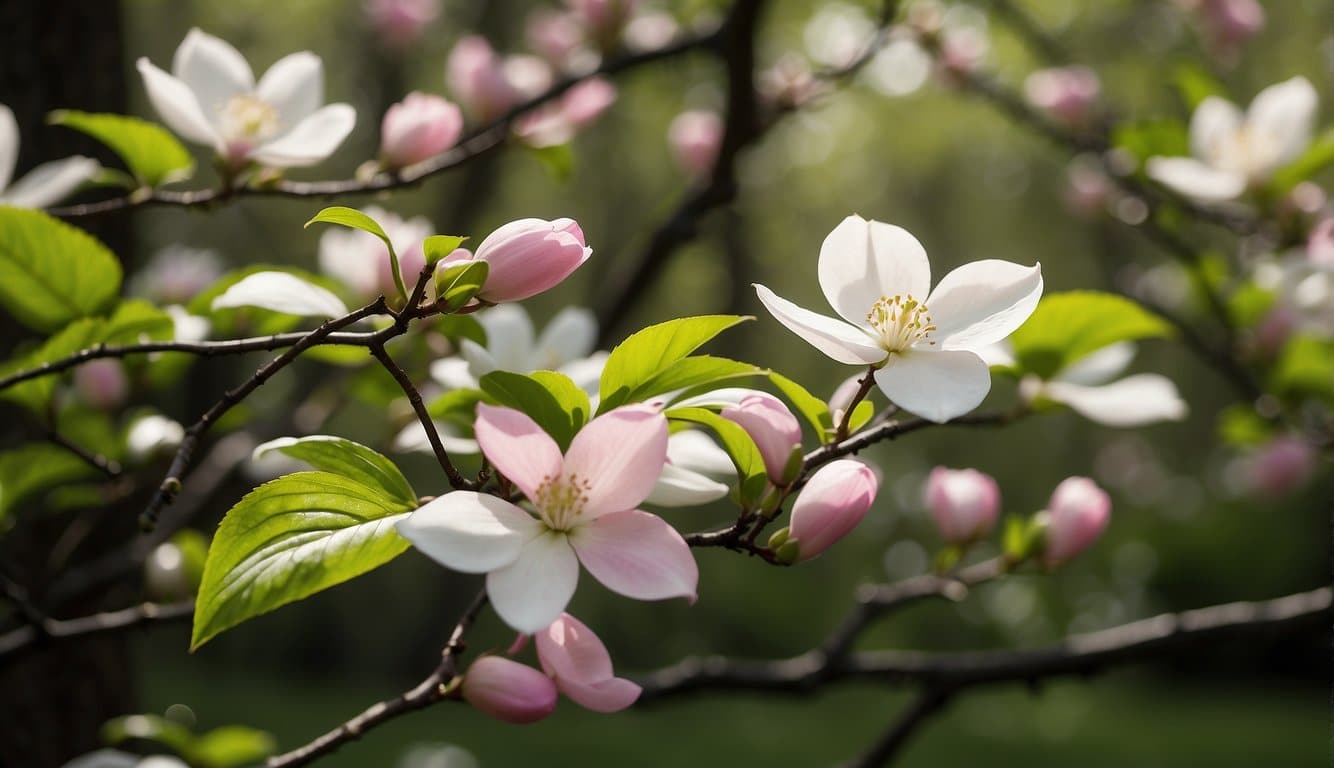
<point x="413" y="438"/>
<point x="1131" y="402"/>
<point x="213" y="70"/>
<point x="618" y="457"/>
<point x="1283" y="116"/>
<point x="49" y="183"/>
<point x="294" y="86"/>
<point x="569" y="336"/>
<point x="678" y="487"/>
<point x="517" y="447"/>
<point x="1194" y="179"/>
<point x="178" y="106"/>
<point x="937" y="386"/>
<point x="311" y="140"/>
<point x="468" y="531"/>
<point x="532" y="592"/>
<point x="572" y="654"/>
<point x="861" y="260"/>
<point x="587" y="373"/>
<point x="509" y="337"/>
<point x="281" y="292"/>
<point x="638" y="555"/>
<point x="9" y="145"/>
<point x="983" y="302"/>
<point x="842" y="342"/>
<point x="611" y="695"/>
<point x="453" y="373"/>
<point x="1212" y="127"/>
<point x="1099" y="367"/>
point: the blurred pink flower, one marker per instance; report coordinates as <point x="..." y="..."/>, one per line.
<point x="418" y="128"/>
<point x="476" y="78"/>
<point x="1067" y="94"/>
<point x="963" y="502"/>
<point x="695" y="138"/>
<point x="1075" y="517"/>
<point x="1320" y="243"/>
<point x="1282" y="466"/>
<point x="554" y="35"/>
<point x="102" y="383"/>
<point x="400" y="23"/>
<point x="577" y="109"/>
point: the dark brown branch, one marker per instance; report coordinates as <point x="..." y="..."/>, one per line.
<point x="456" y="478"/>
<point x="97" y="461"/>
<point x="429" y="691"/>
<point x="892" y="428"/>
<point x="927" y="703"/>
<point x="49" y="630"/>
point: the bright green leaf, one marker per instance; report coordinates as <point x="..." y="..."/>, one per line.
<point x="1195" y="84"/>
<point x="35" y="394"/>
<point x="136" y="321"/>
<point x="437" y="247"/>
<point x="1067" y="326"/>
<point x="29" y="470"/>
<point x="344" y="457"/>
<point x="1239" y="424"/>
<point x="1308" y="164"/>
<point x="351" y="217"/>
<point x="557" y="159"/>
<point x="458" y="405"/>
<point x="151" y="153"/>
<point x="152" y="728"/>
<point x="1152" y="138"/>
<point x="1306" y="367"/>
<point x="550" y="399"/>
<point x="738" y="445"/>
<point x="287" y="540"/>
<point x="231" y="746"/>
<point x="815" y="410"/>
<point x="654" y="349"/>
<point x="692" y="374"/>
<point x="456" y="284"/>
<point x="52" y="273"/>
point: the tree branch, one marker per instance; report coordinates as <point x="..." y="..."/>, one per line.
<point x="46" y="629"/>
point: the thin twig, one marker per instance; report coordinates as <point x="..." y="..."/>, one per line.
<point x="456" y="478"/>
<point x="927" y="703"/>
<point x="97" y="461"/>
<point x="47" y="630"/>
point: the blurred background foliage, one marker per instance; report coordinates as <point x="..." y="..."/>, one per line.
<point x="899" y="145"/>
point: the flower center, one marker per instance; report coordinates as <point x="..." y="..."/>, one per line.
<point x="561" y="501"/>
<point x="248" y="116"/>
<point x="901" y="321"/>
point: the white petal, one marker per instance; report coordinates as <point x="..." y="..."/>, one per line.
<point x="1100" y="366"/>
<point x="213" y="70"/>
<point x="1133" y="401"/>
<point x="570" y="335"/>
<point x="509" y="337"/>
<point x="343" y="255"/>
<point x="452" y="373"/>
<point x="311" y="140"/>
<point x="1194" y="179"/>
<point x="413" y="438"/>
<point x="9" y="145"/>
<point x="999" y="354"/>
<point x="842" y="342"/>
<point x="679" y="487"/>
<point x="480" y="362"/>
<point x="178" y="106"/>
<point x="1283" y="117"/>
<point x="49" y="183"/>
<point x="469" y="532"/>
<point x="937" y="386"/>
<point x="281" y="292"/>
<point x="1213" y="128"/>
<point x="692" y="449"/>
<point x="983" y="302"/>
<point x="533" y="591"/>
<point x="861" y="260"/>
<point x="294" y="86"/>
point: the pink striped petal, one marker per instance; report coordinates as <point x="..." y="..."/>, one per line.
<point x="618" y="457"/>
<point x="517" y="446"/>
<point x="638" y="555"/>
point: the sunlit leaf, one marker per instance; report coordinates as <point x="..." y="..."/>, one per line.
<point x="52" y="273"/>
<point x="151" y="153"/>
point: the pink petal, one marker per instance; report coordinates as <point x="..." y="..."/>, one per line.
<point x="517" y="447"/>
<point x="572" y="654"/>
<point x="638" y="555"/>
<point x="619" y="455"/>
<point x="607" y="696"/>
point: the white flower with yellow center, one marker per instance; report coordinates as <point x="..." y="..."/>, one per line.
<point x="922" y="343"/>
<point x="211" y="98"/>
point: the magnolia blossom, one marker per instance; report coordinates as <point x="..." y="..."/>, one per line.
<point x="476" y="77"/>
<point x="1303" y="291"/>
<point x="508" y="691"/>
<point x="211" y="98"/>
<point x="579" y="663"/>
<point x="1281" y="466"/>
<point x="963" y="502"/>
<point x="526" y="257"/>
<point x="555" y="35"/>
<point x="1228" y="23"/>
<point x="584" y="512"/>
<point x="1068" y="94"/>
<point x="176" y="273"/>
<point x="696" y="472"/>
<point x="1320" y="244"/>
<point x="776" y="432"/>
<point x="102" y="383"/>
<point x="831" y="504"/>
<point x="418" y="128"/>
<point x="565" y="345"/>
<point x="695" y="138"/>
<point x="360" y="260"/>
<point x="558" y="122"/>
<point x="603" y="20"/>
<point x="1074" y="518"/>
<point x="923" y="347"/>
<point x="401" y="22"/>
<point x="44" y="185"/>
<point x="1234" y="152"/>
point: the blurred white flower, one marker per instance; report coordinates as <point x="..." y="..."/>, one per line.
<point x="44" y="185"/>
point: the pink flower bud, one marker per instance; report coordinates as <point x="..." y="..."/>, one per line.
<point x="1281" y="466"/>
<point x="962" y="51"/>
<point x="557" y="123"/>
<point x="772" y="426"/>
<point x="417" y="128"/>
<point x="1067" y="94"/>
<point x="1320" y="243"/>
<point x="964" y="503"/>
<point x="1087" y="188"/>
<point x="1076" y="516"/>
<point x="603" y="19"/>
<point x="509" y="691"/>
<point x="102" y="383"/>
<point x="400" y="23"/>
<point x="695" y="138"/>
<point x="834" y="500"/>
<point x="476" y="78"/>
<point x="554" y="35"/>
<point x="1229" y="23"/>
<point x="1275" y="329"/>
<point x="529" y="256"/>
<point x="578" y="661"/>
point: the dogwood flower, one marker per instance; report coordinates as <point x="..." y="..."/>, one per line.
<point x="579" y="663"/>
<point x="211" y="98"/>
<point x="44" y="185"/>
<point x="1234" y="152"/>
<point x="584" y="511"/>
<point x="923" y="347"/>
<point x="565" y="345"/>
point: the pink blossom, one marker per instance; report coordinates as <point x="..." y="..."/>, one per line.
<point x="834" y="500"/>
<point x="554" y="35"/>
<point x="1075" y="517"/>
<point x="401" y="22"/>
<point x="1068" y="94"/>
<point x="1088" y="191"/>
<point x="695" y="138"/>
<point x="772" y="426"/>
<point x="476" y="78"/>
<point x="417" y="128"/>
<point x="1275" y="329"/>
<point x="1227" y="24"/>
<point x="963" y="502"/>
<point x="1320" y="243"/>
<point x="102" y="383"/>
<point x="578" y="661"/>
<point x="586" y="512"/>
<point x="1282" y="465"/>
<point x="527" y="257"/>
<point x="557" y="123"/>
<point x="360" y="260"/>
<point x="603" y="20"/>
<point x="509" y="691"/>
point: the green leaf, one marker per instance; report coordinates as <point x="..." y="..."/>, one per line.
<point x="287" y="540"/>
<point x="1311" y="162"/>
<point x="738" y="445"/>
<point x="135" y="321"/>
<point x="457" y="284"/>
<point x="459" y="327"/>
<point x="152" y="728"/>
<point x="696" y="372"/>
<point x="344" y="457"/>
<point x="52" y="273"/>
<point x="1067" y="326"/>
<point x="558" y="406"/>
<point x="815" y="410"/>
<point x="558" y="159"/>
<point x="35" y="394"/>
<point x="351" y="217"/>
<point x="1195" y="84"/>
<point x="861" y="414"/>
<point x="1239" y="424"/>
<point x="1306" y="367"/>
<point x="1152" y="138"/>
<point x="457" y="405"/>
<point x="34" y="468"/>
<point x="151" y="153"/>
<point x="645" y="354"/>
<point x="437" y="247"/>
<point x="231" y="746"/>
